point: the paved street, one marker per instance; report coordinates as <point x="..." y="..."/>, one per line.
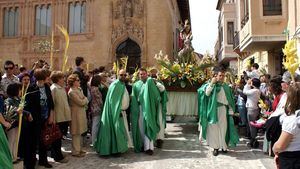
<point x="181" y="150"/>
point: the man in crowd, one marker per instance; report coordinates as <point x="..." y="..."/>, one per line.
<point x="216" y="104"/>
<point x="144" y="110"/>
<point x="80" y="63"/>
<point x="9" y="77"/>
<point x="113" y="137"/>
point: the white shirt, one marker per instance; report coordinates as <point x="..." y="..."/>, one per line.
<point x="253" y="96"/>
<point x="125" y="100"/>
<point x="253" y="74"/>
<point x="290" y="126"/>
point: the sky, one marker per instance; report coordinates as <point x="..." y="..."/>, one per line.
<point x="204" y="20"/>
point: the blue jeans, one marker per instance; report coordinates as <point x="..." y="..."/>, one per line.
<point x="243" y="114"/>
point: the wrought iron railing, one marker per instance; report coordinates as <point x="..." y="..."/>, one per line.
<point x="236" y="40"/>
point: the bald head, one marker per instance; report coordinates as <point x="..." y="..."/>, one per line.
<point x="122" y="75"/>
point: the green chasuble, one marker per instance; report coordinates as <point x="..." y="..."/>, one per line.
<point x="207" y="111"/>
<point x="164" y="100"/>
<point x="112" y="135"/>
<point x="148" y="97"/>
<point x="5" y="156"/>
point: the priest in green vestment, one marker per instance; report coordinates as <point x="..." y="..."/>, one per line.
<point x="216" y="105"/>
<point x="145" y="101"/>
<point x="5" y="156"/>
<point x="162" y="108"/>
<point x="113" y="136"/>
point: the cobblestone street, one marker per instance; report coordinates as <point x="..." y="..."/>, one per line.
<point x="181" y="150"/>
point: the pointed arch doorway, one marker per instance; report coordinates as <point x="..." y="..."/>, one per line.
<point x="131" y="49"/>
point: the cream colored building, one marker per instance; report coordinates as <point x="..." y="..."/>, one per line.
<point x="227" y="26"/>
<point x="100" y="30"/>
<point x="294" y="21"/>
<point x="260" y="36"/>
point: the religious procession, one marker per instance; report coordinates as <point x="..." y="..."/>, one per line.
<point x="127" y="92"/>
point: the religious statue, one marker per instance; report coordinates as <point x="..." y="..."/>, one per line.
<point x="186" y="50"/>
<point x="128" y="9"/>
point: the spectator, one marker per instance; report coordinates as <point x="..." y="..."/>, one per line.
<point x="22" y="71"/>
<point x="80" y="63"/>
<point x="16" y="70"/>
<point x="287" y="148"/>
<point x="251" y="90"/>
<point x="12" y="107"/>
<point x="25" y="79"/>
<point x="40" y="103"/>
<point x="96" y="105"/>
<point x="9" y="77"/>
<point x="254" y="71"/>
<point x="62" y="112"/>
<point x="77" y="102"/>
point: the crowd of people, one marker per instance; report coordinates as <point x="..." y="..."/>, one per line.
<point x="79" y="103"/>
<point x="121" y="114"/>
<point x="258" y="103"/>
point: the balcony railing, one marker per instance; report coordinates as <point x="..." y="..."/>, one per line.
<point x="244" y="20"/>
<point x="236" y="40"/>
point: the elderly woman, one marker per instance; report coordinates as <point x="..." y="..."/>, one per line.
<point x="62" y="112"/>
<point x="287" y="149"/>
<point x="78" y="103"/>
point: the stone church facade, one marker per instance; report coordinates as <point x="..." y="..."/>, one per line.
<point x="100" y="30"/>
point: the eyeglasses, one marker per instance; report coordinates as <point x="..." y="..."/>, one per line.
<point x="11" y="68"/>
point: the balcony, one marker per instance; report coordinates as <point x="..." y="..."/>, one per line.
<point x="236" y="40"/>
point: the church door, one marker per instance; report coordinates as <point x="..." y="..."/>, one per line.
<point x="133" y="51"/>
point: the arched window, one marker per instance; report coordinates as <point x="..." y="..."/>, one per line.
<point x="10" y="22"/>
<point x="43" y="20"/>
<point x="77" y="17"/>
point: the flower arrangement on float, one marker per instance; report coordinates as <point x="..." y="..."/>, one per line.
<point x="180" y="74"/>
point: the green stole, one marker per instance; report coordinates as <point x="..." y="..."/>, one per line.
<point x="112" y="135"/>
<point x="147" y="96"/>
<point x="207" y="111"/>
<point x="5" y="156"/>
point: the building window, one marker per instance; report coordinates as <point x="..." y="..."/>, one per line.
<point x="220" y="37"/>
<point x="43" y="20"/>
<point x="11" y="22"/>
<point x="272" y="7"/>
<point x="77" y="17"/>
<point x="230" y="32"/>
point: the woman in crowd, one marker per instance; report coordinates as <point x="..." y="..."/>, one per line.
<point x="39" y="102"/>
<point x="273" y="126"/>
<point x="25" y="79"/>
<point x="287" y="148"/>
<point x="12" y="107"/>
<point x="96" y="105"/>
<point x="62" y="112"/>
<point x="251" y="90"/>
<point x="78" y="102"/>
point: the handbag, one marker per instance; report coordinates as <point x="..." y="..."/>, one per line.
<point x="50" y="134"/>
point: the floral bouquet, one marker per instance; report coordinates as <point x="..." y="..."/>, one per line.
<point x="184" y="74"/>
